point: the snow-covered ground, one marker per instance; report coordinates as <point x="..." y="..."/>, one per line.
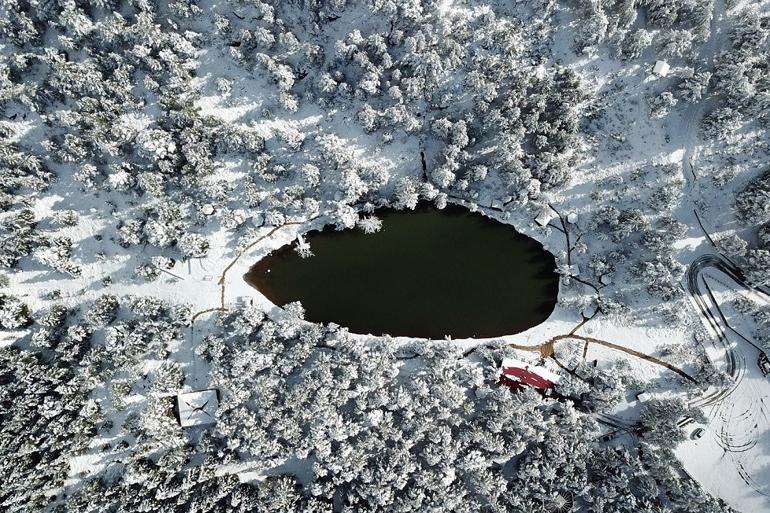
<point x="277" y="103"/>
<point x="731" y="459"/>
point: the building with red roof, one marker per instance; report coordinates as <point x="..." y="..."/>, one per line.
<point x="518" y="373"/>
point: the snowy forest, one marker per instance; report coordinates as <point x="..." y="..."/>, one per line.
<point x="142" y="142"/>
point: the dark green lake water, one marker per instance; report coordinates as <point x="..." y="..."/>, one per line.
<point x="427" y="273"/>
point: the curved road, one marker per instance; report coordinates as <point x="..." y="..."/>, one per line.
<point x="739" y="423"/>
<point x="713" y="317"/>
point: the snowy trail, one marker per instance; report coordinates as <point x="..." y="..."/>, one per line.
<point x="546" y="349"/>
<point x="690" y="120"/>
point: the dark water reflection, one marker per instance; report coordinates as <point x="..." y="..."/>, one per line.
<point x="427" y="273"/>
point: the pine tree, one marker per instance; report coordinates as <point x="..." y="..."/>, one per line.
<point x="14" y="314"/>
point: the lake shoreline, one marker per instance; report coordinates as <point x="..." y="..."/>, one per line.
<point x="436" y="237"/>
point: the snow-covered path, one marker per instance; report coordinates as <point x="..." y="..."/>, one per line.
<point x="691" y="117"/>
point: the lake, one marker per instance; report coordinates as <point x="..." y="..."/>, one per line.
<point x="428" y="273"/>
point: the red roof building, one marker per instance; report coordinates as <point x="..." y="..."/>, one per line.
<point x="517" y="373"/>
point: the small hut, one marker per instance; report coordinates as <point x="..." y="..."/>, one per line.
<point x="544" y="217"/>
<point x="198" y="408"/>
<point x="661" y="68"/>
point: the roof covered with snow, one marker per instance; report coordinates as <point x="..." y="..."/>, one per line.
<point x="197" y="408"/>
<point x="661" y="68"/>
